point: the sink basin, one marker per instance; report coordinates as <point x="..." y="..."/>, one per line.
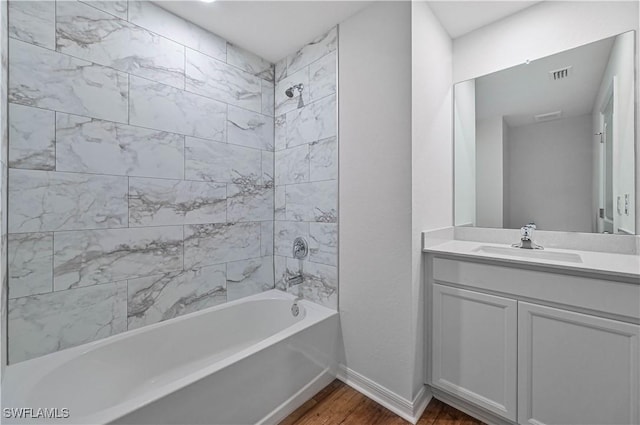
<point x="530" y="253"/>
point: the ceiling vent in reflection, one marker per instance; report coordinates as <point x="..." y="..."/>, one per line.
<point x="560" y="74"/>
<point x="548" y="116"/>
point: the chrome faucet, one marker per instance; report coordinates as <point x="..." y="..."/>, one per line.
<point x="526" y="242"/>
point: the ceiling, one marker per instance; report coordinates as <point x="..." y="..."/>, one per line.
<point x="462" y="17"/>
<point x="270" y="29"/>
<point x="526" y="90"/>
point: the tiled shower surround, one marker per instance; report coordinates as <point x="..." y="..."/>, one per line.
<point x="141" y="171"/>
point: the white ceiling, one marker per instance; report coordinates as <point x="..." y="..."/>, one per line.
<point x="523" y="91"/>
<point x="270" y="29"/>
<point x="462" y="17"/>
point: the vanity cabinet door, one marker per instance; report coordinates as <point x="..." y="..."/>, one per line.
<point x="474" y="348"/>
<point x="575" y="368"/>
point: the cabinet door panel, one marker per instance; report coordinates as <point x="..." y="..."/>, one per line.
<point x="474" y="348"/>
<point x="575" y="368"/>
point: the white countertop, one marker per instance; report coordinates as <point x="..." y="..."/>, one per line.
<point x="625" y="266"/>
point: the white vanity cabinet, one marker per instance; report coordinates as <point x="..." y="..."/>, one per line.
<point x="533" y="346"/>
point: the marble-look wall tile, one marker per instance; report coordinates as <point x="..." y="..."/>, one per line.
<point x="90" y="257"/>
<point x="280" y="70"/>
<point x="156" y="105"/>
<point x="280" y="272"/>
<point x="314" y="50"/>
<point x="152" y="17"/>
<point x="249" y="202"/>
<point x="317" y="201"/>
<point x="32" y="134"/>
<point x="207" y="244"/>
<point x="284" y="103"/>
<point x="322" y="77"/>
<point x="96" y="146"/>
<point x="249" y="277"/>
<point x="268" y="173"/>
<point x="284" y="235"/>
<point x="268" y="100"/>
<point x="292" y="165"/>
<point x="30" y="264"/>
<point x="249" y="129"/>
<point x="42" y="324"/>
<point x="160" y="202"/>
<point x="320" y="283"/>
<point x="47" y="200"/>
<point x="266" y="238"/>
<point x="157" y="298"/>
<point x="249" y="62"/>
<point x="315" y="121"/>
<point x="220" y="162"/>
<point x="115" y="7"/>
<point x="323" y="243"/>
<point x="217" y="80"/>
<point x="280" y="204"/>
<point x="90" y="34"/>
<point x="323" y="156"/>
<point x="33" y="22"/>
<point x="51" y="80"/>
<point x="280" y="141"/>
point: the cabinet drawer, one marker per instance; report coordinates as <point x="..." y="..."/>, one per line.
<point x="615" y="298"/>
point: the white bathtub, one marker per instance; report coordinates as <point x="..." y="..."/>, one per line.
<point x="248" y="361"/>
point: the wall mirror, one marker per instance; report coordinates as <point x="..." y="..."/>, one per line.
<point x="551" y="141"/>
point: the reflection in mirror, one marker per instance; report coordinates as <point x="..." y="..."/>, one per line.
<point x="550" y="142"/>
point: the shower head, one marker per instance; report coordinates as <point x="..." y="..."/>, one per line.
<point x="290" y="91"/>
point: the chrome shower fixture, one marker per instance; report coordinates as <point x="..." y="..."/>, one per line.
<point x="290" y="93"/>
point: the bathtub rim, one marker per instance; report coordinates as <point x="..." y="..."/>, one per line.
<point x="21" y="376"/>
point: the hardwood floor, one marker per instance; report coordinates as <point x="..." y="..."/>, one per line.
<point x="339" y="404"/>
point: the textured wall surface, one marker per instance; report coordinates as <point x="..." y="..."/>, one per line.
<point x="141" y="170"/>
<point x="306" y="169"/>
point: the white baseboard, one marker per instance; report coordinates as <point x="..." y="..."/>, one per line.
<point x="410" y="410"/>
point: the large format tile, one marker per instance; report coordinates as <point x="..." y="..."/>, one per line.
<point x="97" y="146"/>
<point x="266" y="238"/>
<point x="322" y="77"/>
<point x="47" y="200"/>
<point x="115" y="7"/>
<point x="280" y="203"/>
<point x="217" y="80"/>
<point x="158" y="202"/>
<point x="87" y="33"/>
<point x="312" y="51"/>
<point x="30" y="263"/>
<point x="292" y="165"/>
<point x="249" y="129"/>
<point x="157" y="298"/>
<point x="268" y="173"/>
<point x="317" y="201"/>
<point x="152" y="17"/>
<point x="32" y="134"/>
<point x="280" y="132"/>
<point x="249" y="277"/>
<point x="268" y="101"/>
<point x="51" y="80"/>
<point x="249" y="202"/>
<point x="320" y="283"/>
<point x="323" y="157"/>
<point x="33" y="22"/>
<point x="207" y="244"/>
<point x="284" y="235"/>
<point x="314" y="122"/>
<point x="220" y="162"/>
<point x="156" y="105"/>
<point x="249" y="62"/>
<point x="91" y="257"/>
<point x="323" y="243"/>
<point x="42" y="324"/>
<point x="284" y="103"/>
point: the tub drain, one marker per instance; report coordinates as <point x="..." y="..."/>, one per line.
<point x="295" y="310"/>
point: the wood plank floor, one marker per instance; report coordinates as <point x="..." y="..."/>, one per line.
<point x="339" y="404"/>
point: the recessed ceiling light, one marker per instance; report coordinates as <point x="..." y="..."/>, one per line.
<point x="207" y="1"/>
